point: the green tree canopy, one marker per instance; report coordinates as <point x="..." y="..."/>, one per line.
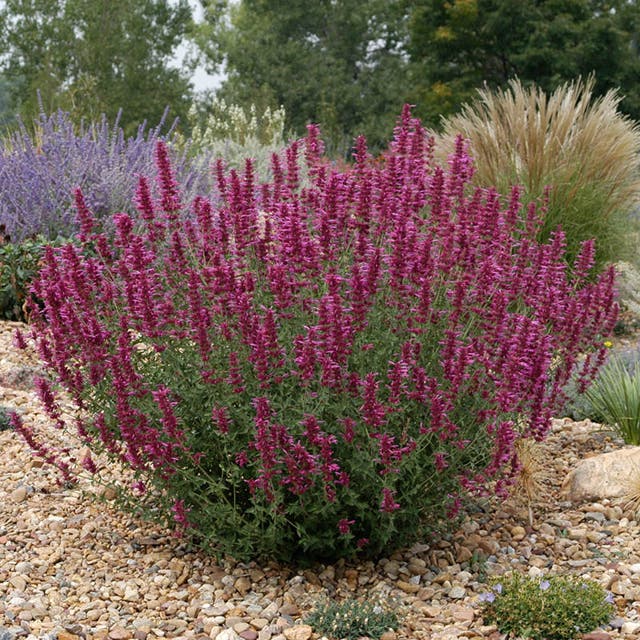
<point x="95" y="56"/>
<point x="457" y="46"/>
<point x="336" y="62"/>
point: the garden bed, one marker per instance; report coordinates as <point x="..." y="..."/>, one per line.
<point x="71" y="566"/>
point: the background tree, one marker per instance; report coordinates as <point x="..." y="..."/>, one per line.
<point x="457" y="46"/>
<point x="337" y="62"/>
<point x="96" y="56"/>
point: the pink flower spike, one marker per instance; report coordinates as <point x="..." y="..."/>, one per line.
<point x="388" y="504"/>
<point x="344" y="526"/>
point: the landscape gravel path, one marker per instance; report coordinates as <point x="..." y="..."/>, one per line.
<point x="73" y="566"/>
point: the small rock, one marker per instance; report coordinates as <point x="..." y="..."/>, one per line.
<point x="298" y="632"/>
<point x="577" y="533"/>
<point x="24" y="567"/>
<point x="109" y="493"/>
<point x="457" y="592"/>
<point x="249" y="634"/>
<point x="259" y="623"/>
<point x="9" y="634"/>
<point x="630" y="628"/>
<point x="289" y="609"/>
<point x="408" y="587"/>
<point x="131" y="594"/>
<point x="389" y="635"/>
<point x="464" y="555"/>
<point x="518" y="533"/>
<point x="18" y="582"/>
<point x="239" y="627"/>
<point x="227" y="634"/>
<point x="596" y="635"/>
<point x="596" y="516"/>
<point x="242" y="585"/>
<point x="119" y="633"/>
<point x="18" y="495"/>
<point x="463" y="614"/>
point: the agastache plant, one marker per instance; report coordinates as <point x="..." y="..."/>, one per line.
<point x="318" y="370"/>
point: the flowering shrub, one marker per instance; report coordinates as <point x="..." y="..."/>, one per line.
<point x="351" y="619"/>
<point x="554" y="608"/>
<point x="233" y="134"/>
<point x="39" y="172"/>
<point x="322" y="370"/>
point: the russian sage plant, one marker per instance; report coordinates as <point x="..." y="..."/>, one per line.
<point x="315" y="371"/>
<point x="40" y="170"/>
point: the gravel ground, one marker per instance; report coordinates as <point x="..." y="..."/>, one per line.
<point x="72" y="566"/>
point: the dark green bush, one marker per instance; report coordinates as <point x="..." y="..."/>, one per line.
<point x="19" y="264"/>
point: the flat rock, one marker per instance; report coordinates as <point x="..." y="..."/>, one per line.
<point x="607" y="475"/>
<point x="298" y="632"/>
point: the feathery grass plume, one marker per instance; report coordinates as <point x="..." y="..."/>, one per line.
<point x="528" y="482"/>
<point x="583" y="148"/>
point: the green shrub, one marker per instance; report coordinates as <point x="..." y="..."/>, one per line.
<point x="352" y="619"/>
<point x="584" y="149"/>
<point x="19" y="264"/>
<point x="5" y="419"/>
<point x="555" y="608"/>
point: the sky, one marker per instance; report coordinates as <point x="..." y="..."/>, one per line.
<point x="201" y="79"/>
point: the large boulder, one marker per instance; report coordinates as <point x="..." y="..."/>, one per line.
<point x="609" y="475"/>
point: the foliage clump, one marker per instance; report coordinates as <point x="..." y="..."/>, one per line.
<point x="584" y="150"/>
<point x="352" y="619"/>
<point x="614" y="397"/>
<point x="319" y="370"/>
<point x="553" y="608"/>
<point x="5" y="418"/>
<point x="19" y="265"/>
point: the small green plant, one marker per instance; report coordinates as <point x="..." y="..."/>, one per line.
<point x="352" y="619"/>
<point x="5" y="420"/>
<point x="553" y="608"/>
<point x="614" y="396"/>
<point x="19" y="264"/>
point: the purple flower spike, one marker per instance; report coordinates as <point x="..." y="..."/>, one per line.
<point x="544" y="585"/>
